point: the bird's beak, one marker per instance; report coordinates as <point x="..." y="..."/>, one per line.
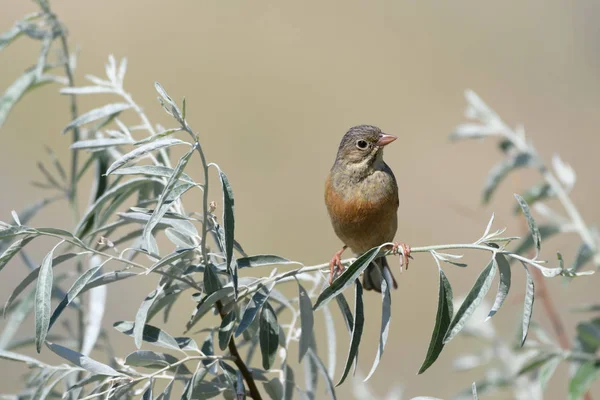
<point x="385" y="139"/>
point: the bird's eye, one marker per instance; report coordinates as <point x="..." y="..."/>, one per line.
<point x="362" y="144"/>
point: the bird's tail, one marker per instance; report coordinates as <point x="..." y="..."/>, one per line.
<point x="377" y="270"/>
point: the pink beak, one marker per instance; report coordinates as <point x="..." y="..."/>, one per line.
<point x="385" y="139"/>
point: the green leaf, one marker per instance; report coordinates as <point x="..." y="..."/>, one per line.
<point x="33" y="275"/>
<point x="73" y="292"/>
<point x="108" y="278"/>
<point x="386" y="316"/>
<point x="500" y="171"/>
<point x="331" y="341"/>
<point x="442" y="322"/>
<point x="503" y="284"/>
<point x="160" y="135"/>
<point x="359" y="321"/>
<point x="229" y="227"/>
<point x="14" y="249"/>
<point x="94" y="313"/>
<point x="261" y="260"/>
<point x="170" y="194"/>
<point x="269" y="335"/>
<point x="9" y="36"/>
<point x="148" y="392"/>
<point x="207" y="303"/>
<point x="82" y="361"/>
<point x="143" y="150"/>
<point x="226" y="329"/>
<point x="196" y="390"/>
<point x="87" y="90"/>
<point x="472" y="301"/>
<point x="274" y="389"/>
<point x="306" y="321"/>
<point x="290" y="383"/>
<point x="547" y="370"/>
<point x="142" y="315"/>
<point x="152" y="359"/>
<point x="17" y="316"/>
<point x="533" y="229"/>
<point x="584" y="254"/>
<point x="212" y="283"/>
<point x="43" y="299"/>
<point x="15" y="92"/>
<point x="107" y="111"/>
<point x="169" y="259"/>
<point x="150" y="334"/>
<point x="527" y="305"/>
<point x="546" y="231"/>
<point x="323" y="371"/>
<point x="109" y="195"/>
<point x="538" y="192"/>
<point x="253" y="307"/>
<point x="97" y="144"/>
<point x="156" y="171"/>
<point x="588" y="334"/>
<point x="346" y="312"/>
<point x="9" y="355"/>
<point x="586" y="374"/>
<point x="347" y="277"/>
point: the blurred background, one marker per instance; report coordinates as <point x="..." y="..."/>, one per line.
<point x="272" y="87"/>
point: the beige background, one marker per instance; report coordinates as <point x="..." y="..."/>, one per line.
<point x="272" y="87"/>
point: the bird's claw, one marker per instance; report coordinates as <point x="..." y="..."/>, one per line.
<point x="404" y="254"/>
<point x="335" y="265"/>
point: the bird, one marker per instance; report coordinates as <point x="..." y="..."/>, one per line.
<point x="361" y="195"/>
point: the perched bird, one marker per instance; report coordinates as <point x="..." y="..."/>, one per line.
<point x="361" y="195"/>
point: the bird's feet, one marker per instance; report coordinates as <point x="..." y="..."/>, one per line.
<point x="335" y="265"/>
<point x="404" y="253"/>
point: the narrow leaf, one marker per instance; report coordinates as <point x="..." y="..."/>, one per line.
<point x="580" y="383"/>
<point x="500" y="171"/>
<point x="108" y="110"/>
<point x="142" y="315"/>
<point x="9" y="355"/>
<point x="14" y="249"/>
<point x="15" y="92"/>
<point x="347" y="277"/>
<point x="82" y="361"/>
<point x="73" y="292"/>
<point x="150" y="334"/>
<point x="95" y="313"/>
<point x="253" y="307"/>
<point x="472" y="301"/>
<point x="17" y="316"/>
<point x="527" y="305"/>
<point x="87" y="90"/>
<point x="228" y="225"/>
<point x="141" y="151"/>
<point x="33" y="275"/>
<point x="262" y="260"/>
<point x="43" y="296"/>
<point x="212" y="283"/>
<point x="226" y="329"/>
<point x="97" y="144"/>
<point x="207" y="303"/>
<point x="359" y="321"/>
<point x="346" y="312"/>
<point x="158" y="171"/>
<point x="167" y="197"/>
<point x="269" y="336"/>
<point x="503" y="284"/>
<point x="386" y="316"/>
<point x="306" y="322"/>
<point x="533" y="229"/>
<point x="442" y="322"/>
<point x="323" y="371"/>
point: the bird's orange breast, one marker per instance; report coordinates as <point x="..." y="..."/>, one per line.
<point x="361" y="219"/>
